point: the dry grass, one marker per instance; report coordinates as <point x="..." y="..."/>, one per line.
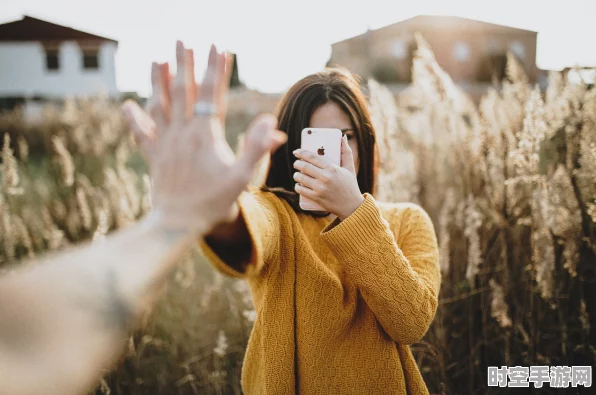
<point x="511" y="185"/>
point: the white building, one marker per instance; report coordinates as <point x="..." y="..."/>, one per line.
<point x="42" y="60"/>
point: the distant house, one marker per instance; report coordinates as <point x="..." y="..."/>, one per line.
<point x="42" y="60"/>
<point x="469" y="51"/>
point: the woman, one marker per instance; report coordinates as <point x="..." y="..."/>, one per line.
<point x="339" y="296"/>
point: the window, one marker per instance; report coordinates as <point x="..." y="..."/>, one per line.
<point x="518" y="49"/>
<point x="52" y="59"/>
<point x="90" y="59"/>
<point x="461" y="51"/>
<point x="398" y="49"/>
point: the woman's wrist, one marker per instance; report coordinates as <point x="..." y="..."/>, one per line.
<point x="351" y="208"/>
<point x="172" y="228"/>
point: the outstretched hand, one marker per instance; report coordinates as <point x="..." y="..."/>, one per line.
<point x="196" y="177"/>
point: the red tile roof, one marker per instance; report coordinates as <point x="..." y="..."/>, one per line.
<point x="33" y="29"/>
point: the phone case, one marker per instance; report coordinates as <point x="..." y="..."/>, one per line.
<point x="325" y="142"/>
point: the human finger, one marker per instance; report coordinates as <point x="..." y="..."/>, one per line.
<point x="306" y="180"/>
<point x="156" y="103"/>
<point x="261" y="139"/>
<point x="347" y="158"/>
<point x="179" y="86"/>
<point x="317" y="160"/>
<point x="141" y="124"/>
<point x="309" y="169"/>
<point x="227" y="63"/>
<point x="207" y="92"/>
<point x="306" y="192"/>
<point x="190" y="78"/>
<point x="166" y="89"/>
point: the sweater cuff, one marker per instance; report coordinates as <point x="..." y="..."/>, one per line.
<point x="249" y="211"/>
<point x="356" y="234"/>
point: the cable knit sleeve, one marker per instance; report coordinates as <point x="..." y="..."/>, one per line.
<point x="260" y="212"/>
<point x="399" y="281"/>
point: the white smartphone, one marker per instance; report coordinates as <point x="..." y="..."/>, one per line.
<point x="325" y="142"/>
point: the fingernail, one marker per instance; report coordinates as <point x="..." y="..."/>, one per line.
<point x="296" y="151"/>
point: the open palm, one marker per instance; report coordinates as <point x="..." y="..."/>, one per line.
<point x="196" y="177"/>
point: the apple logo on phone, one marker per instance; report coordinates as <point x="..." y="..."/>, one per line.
<point x="321" y="151"/>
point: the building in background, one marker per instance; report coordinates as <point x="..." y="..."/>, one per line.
<point x="40" y="60"/>
<point x="471" y="52"/>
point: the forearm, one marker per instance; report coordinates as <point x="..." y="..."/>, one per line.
<point x="403" y="302"/>
<point x="67" y="318"/>
<point x="398" y="284"/>
<point x="142" y="258"/>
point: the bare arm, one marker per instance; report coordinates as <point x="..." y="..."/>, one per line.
<point x="64" y="319"/>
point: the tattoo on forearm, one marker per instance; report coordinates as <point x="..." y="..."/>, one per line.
<point x="107" y="303"/>
<point x="119" y="314"/>
<point x="111" y="304"/>
<point x="173" y="235"/>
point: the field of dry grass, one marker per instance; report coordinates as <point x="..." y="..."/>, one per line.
<point x="510" y="185"/>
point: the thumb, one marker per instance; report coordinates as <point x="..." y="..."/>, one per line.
<point x="261" y="139"/>
<point x="141" y="124"/>
<point x="347" y="160"/>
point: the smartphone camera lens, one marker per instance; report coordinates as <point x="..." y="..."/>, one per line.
<point x="310" y="132"/>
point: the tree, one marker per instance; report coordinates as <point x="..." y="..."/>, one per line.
<point x="235" y="78"/>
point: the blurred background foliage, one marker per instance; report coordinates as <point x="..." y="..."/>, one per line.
<point x="510" y="185"/>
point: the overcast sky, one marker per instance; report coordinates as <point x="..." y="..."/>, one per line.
<point x="278" y="42"/>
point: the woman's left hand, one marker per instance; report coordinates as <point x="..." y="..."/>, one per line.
<point x="333" y="187"/>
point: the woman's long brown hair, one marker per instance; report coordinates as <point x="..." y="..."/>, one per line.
<point x="294" y="111"/>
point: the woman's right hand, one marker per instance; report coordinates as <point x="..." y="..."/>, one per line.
<point x="196" y="178"/>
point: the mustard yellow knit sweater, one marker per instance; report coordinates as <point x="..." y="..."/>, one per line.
<point x="337" y="302"/>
